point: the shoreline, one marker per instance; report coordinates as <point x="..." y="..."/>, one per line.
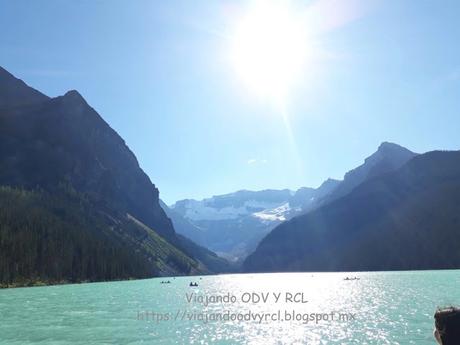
<point x="41" y="283"/>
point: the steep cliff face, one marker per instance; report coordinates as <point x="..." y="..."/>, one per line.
<point x="387" y="158"/>
<point x="65" y="140"/>
<point x="14" y="92"/>
<point x="61" y="147"/>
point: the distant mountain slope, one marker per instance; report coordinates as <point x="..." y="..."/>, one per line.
<point x="182" y="226"/>
<point x="405" y="219"/>
<point x="233" y="224"/>
<point x="46" y="143"/>
<point x="388" y="157"/>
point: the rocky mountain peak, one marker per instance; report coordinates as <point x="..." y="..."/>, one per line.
<point x="388" y="148"/>
<point x="74" y="95"/>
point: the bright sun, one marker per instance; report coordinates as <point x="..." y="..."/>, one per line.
<point x="269" y="49"/>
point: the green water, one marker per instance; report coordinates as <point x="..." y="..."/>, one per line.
<point x="383" y="308"/>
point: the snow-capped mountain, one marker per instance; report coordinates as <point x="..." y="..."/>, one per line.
<point x="233" y="224"/>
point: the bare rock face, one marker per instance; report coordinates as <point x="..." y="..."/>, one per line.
<point x="64" y="140"/>
<point x="50" y="145"/>
<point x="14" y="92"/>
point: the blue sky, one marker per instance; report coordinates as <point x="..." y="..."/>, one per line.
<point x="159" y="73"/>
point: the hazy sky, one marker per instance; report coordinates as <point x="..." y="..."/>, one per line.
<point x="160" y="73"/>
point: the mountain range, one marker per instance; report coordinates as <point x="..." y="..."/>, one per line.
<point x="76" y="205"/>
<point x="406" y="218"/>
<point x="233" y="224"/>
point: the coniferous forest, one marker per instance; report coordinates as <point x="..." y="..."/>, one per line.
<point x="59" y="237"/>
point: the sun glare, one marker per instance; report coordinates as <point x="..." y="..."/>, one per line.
<point x="269" y="49"/>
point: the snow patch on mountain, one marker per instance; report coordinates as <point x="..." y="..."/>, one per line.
<point x="204" y="210"/>
<point x="277" y="214"/>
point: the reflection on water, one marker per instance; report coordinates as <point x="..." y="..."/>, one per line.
<point x="323" y="308"/>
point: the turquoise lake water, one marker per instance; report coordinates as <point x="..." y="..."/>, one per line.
<point x="379" y="308"/>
